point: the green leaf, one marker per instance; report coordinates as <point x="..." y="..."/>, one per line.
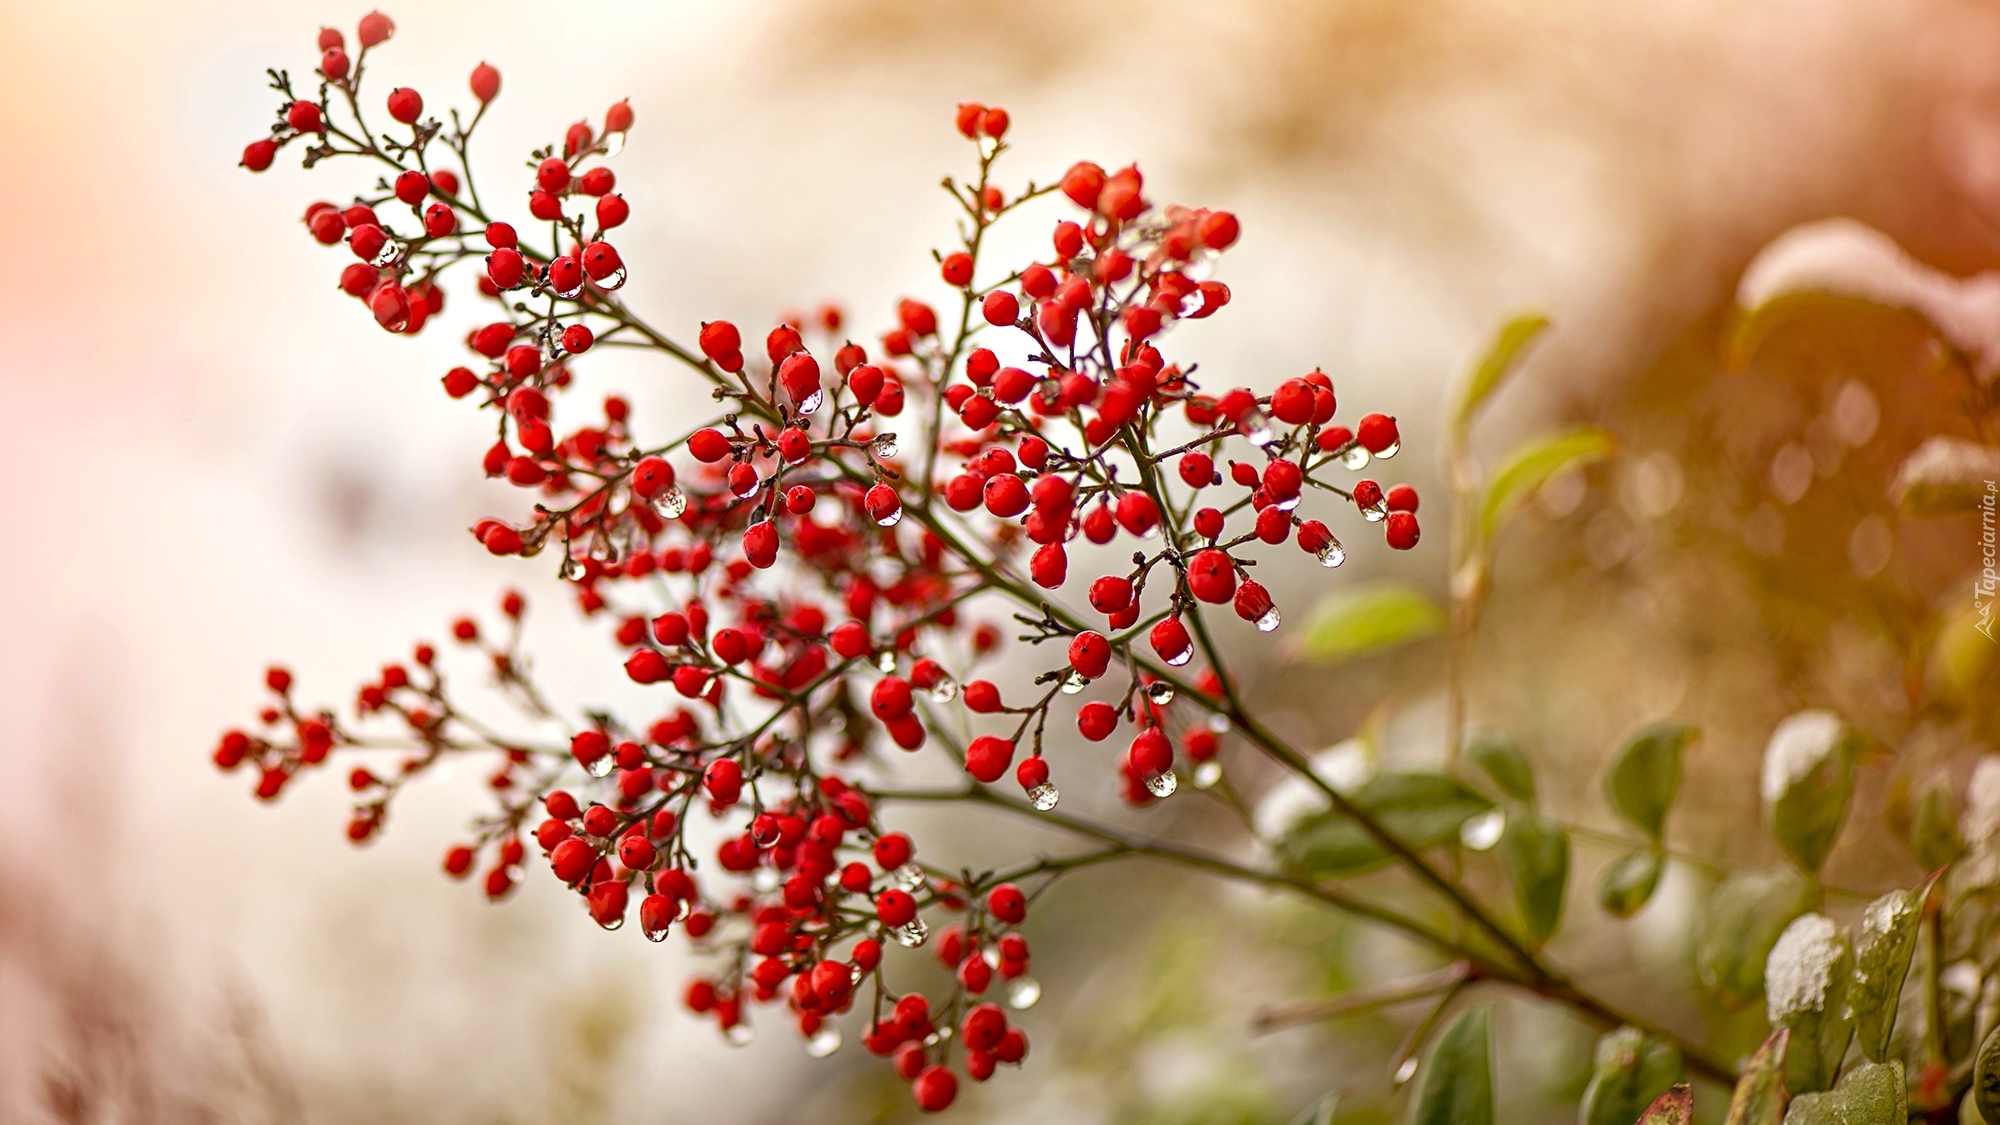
<point x="1535" y="854"/>
<point x="1934" y="828"/>
<point x="1645" y="774"/>
<point x="1502" y="759"/>
<point x="1422" y="810"/>
<point x="1741" y="924"/>
<point x="1882" y="950"/>
<point x="1320" y="1112"/>
<point x="1806" y="980"/>
<point x="1458" y="1080"/>
<point x="1629" y="881"/>
<point x="1532" y="464"/>
<point x="1675" y="1107"/>
<point x="1808" y="778"/>
<point x="1760" y="1095"/>
<point x="1870" y="1094"/>
<point x="1630" y="1071"/>
<point x="1501" y="357"/>
<point x="1368" y="618"/>
<point x="1986" y="1077"/>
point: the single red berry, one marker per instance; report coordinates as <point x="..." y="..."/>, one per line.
<point x="375" y="29"/>
<point x="577" y="338"/>
<point x="1212" y="576"/>
<point x="1197" y="469"/>
<point x="1367" y="495"/>
<point x="1000" y="308"/>
<point x="485" y="83"/>
<point x="1218" y="230"/>
<point x="329" y="38"/>
<point x="1090" y="654"/>
<point x="982" y="697"/>
<point x="552" y="175"/>
<point x="708" y="445"/>
<point x="1171" y="641"/>
<point x="893" y="850"/>
<point x="890" y="698"/>
<point x="440" y="220"/>
<point x="1008" y="904"/>
<point x="1401" y="498"/>
<point x="934" y="1089"/>
<point x="1031" y="774"/>
<point x="1110" y="594"/>
<point x="724" y="780"/>
<point x="1096" y="720"/>
<point x="406" y="105"/>
<point x="612" y="211"/>
<point x="1083" y="183"/>
<point x="618" y="119"/>
<point x="968" y="118"/>
<point x="1402" y="530"/>
<point x="1253" y="604"/>
<point x="1377" y="434"/>
<point x="305" y="117"/>
<point x="895" y="907"/>
<point x="258" y="154"/>
<point x="957" y="269"/>
<point x="988" y="756"/>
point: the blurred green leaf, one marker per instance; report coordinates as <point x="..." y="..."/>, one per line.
<point x="1870" y="1094"/>
<point x="1808" y="779"/>
<point x="1501" y="357"/>
<point x="1986" y="1077"/>
<point x="1743" y="920"/>
<point x="1535" y="854"/>
<point x="1806" y="980"/>
<point x="1503" y="760"/>
<point x="1645" y="773"/>
<point x="1320" y="1112"/>
<point x="1934" y="828"/>
<point x="1760" y="1095"/>
<point x="1532" y="464"/>
<point x="1882" y="950"/>
<point x="1675" y="1107"/>
<point x="1629" y="1071"/>
<point x="1458" y="1080"/>
<point x="1422" y="810"/>
<point x="1629" y="881"/>
<point x="1365" y="619"/>
<point x="1945" y="476"/>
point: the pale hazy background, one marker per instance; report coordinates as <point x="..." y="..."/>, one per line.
<point x="216" y="461"/>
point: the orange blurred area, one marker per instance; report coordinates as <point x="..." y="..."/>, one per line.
<point x="219" y="462"/>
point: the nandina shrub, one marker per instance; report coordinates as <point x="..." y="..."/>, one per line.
<point x="810" y="581"/>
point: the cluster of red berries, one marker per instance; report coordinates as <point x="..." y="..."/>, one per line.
<point x="792" y="574"/>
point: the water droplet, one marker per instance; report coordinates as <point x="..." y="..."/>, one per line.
<point x="854" y="973"/>
<point x="1163" y="784"/>
<point x="614" y="143"/>
<point x="910" y="876"/>
<point x="750" y="485"/>
<point x="1152" y="532"/>
<point x="1406" y="1070"/>
<point x="601" y="767"/>
<point x="1219" y="723"/>
<point x="884" y="447"/>
<point x="574" y="289"/>
<point x="1390" y="450"/>
<point x="387" y="254"/>
<point x="656" y="933"/>
<point x="1207" y="774"/>
<point x="571" y="569"/>
<point x="891" y="520"/>
<point x="885" y="661"/>
<point x="1043" y="797"/>
<point x="767" y="837"/>
<point x="1287" y="504"/>
<point x="612" y="280"/>
<point x="1376" y="512"/>
<point x="1332" y="555"/>
<point x="811" y="402"/>
<point x="1355" y="458"/>
<point x="1023" y="993"/>
<point x="944" y="691"/>
<point x="1271" y="620"/>
<point x="1181" y="657"/>
<point x="739" y="1034"/>
<point x="1256" y="426"/>
<point x="615" y="923"/>
<point x="1483" y="831"/>
<point x="1160" y="692"/>
<point x="671" y="503"/>
<point x="912" y="934"/>
<point x="1074" y="682"/>
<point x="824" y="1042"/>
<point x="764" y="880"/>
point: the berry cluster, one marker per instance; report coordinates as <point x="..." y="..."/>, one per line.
<point x="800" y="579"/>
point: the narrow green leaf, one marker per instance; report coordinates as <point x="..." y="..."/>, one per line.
<point x="1503" y="760"/>
<point x="1422" y="810"/>
<point x="1535" y="854"/>
<point x="1760" y="1096"/>
<point x="1645" y="773"/>
<point x="1742" y="923"/>
<point x="1629" y="881"/>
<point x="1934" y="828"/>
<point x="1458" y="1080"/>
<point x="1502" y="356"/>
<point x="1882" y="951"/>
<point x="1870" y="1094"/>
<point x="1533" y="463"/>
<point x="1629" y="1072"/>
<point x="1806" y="980"/>
<point x="1808" y="779"/>
<point x="1675" y="1107"/>
<point x="1986" y="1077"/>
<point x="1368" y="618"/>
<point x="1320" y="1112"/>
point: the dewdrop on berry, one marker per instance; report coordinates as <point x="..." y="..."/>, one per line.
<point x="884" y="447"/>
<point x="1160" y="693"/>
<point x="911" y="934"/>
<point x="671" y="503"/>
<point x="1207" y="774"/>
<point x="823" y="1042"/>
<point x="1023" y="993"/>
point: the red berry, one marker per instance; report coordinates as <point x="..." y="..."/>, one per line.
<point x="258" y="154"/>
<point x="1212" y="576"/>
<point x="892" y="850"/>
<point x="1377" y="433"/>
<point x="982" y="697"/>
<point x="305" y="117"/>
<point x="1253" y="604"/>
<point x="1083" y="183"/>
<point x="1006" y="496"/>
<point x="1218" y="230"/>
<point x="1096" y="720"/>
<point x="895" y="907"/>
<point x="1171" y="641"/>
<point x="708" y="445"/>
<point x="1151" y="753"/>
<point x="1008" y="904"/>
<point x="1090" y="654"/>
<point x="957" y="269"/>
<point x="1401" y="498"/>
<point x="934" y="1089"/>
<point x="612" y="211"/>
<point x="1402" y="530"/>
<point x="406" y="105"/>
<point x="1000" y="308"/>
<point x="1110" y="594"/>
<point x="375" y="29"/>
<point x="988" y="757"/>
<point x="485" y="83"/>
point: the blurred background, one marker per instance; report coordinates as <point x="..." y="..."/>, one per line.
<point x="220" y="463"/>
